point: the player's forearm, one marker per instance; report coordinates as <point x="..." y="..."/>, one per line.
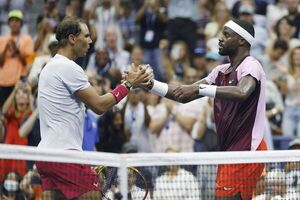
<point x="104" y="103"/>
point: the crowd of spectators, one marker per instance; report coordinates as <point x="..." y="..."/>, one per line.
<point x="178" y="38"/>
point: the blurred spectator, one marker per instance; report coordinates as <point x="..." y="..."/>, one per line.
<point x="275" y="186"/>
<point x="179" y="59"/>
<point x="246" y="13"/>
<point x="105" y="14"/>
<point x="176" y="183"/>
<point x="118" y="56"/>
<point x="275" y="12"/>
<point x="101" y="64"/>
<point x="291" y="115"/>
<point x="220" y="16"/>
<point x="74" y="8"/>
<point x="157" y="110"/>
<point x="212" y="60"/>
<point x="274" y="107"/>
<point x="16" y="109"/>
<point x="90" y="131"/>
<point x="7" y="6"/>
<point x="127" y="24"/>
<point x="284" y="29"/>
<point x="199" y="62"/>
<point x="152" y="20"/>
<point x="45" y="30"/>
<point x="31" y="185"/>
<point x="260" y="7"/>
<point x="11" y="188"/>
<point x="204" y="130"/>
<point x="50" y="12"/>
<point x="179" y="119"/>
<point x="137" y="120"/>
<point x="182" y="13"/>
<point x="111" y="130"/>
<point x="294" y="15"/>
<point x="274" y="64"/>
<point x="14" y="48"/>
<point x="41" y="60"/>
<point x="292" y="173"/>
<point x="204" y="13"/>
<point x="2" y="128"/>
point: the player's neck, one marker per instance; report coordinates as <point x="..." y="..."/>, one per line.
<point x="237" y="59"/>
<point x="65" y="51"/>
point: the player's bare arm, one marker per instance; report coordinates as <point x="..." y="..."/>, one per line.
<point x="241" y="92"/>
<point x="100" y="104"/>
<point x="187" y="93"/>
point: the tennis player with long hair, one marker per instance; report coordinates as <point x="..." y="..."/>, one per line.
<point x="238" y="89"/>
<point x="63" y="91"/>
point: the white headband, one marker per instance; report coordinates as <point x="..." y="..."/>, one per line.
<point x="239" y="30"/>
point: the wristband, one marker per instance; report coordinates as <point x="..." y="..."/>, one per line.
<point x="207" y="90"/>
<point x="120" y="92"/>
<point x="159" y="88"/>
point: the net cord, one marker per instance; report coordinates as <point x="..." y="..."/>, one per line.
<point x="146" y="159"/>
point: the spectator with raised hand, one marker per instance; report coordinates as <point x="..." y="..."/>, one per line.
<point x="291" y="115"/>
<point x="45" y="30"/>
<point x="152" y="20"/>
<point x="105" y="14"/>
<point x="16" y="109"/>
<point x="14" y="49"/>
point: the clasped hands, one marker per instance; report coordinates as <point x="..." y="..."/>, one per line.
<point x="139" y="76"/>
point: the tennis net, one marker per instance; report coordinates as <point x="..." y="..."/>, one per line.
<point x="161" y="176"/>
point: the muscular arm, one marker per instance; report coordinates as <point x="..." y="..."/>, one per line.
<point x="187" y="93"/>
<point x="98" y="104"/>
<point x="193" y="92"/>
<point x="240" y="92"/>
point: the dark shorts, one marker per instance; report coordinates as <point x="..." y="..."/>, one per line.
<point x="73" y="180"/>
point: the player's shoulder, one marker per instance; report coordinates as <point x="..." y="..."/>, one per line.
<point x="252" y="60"/>
<point x="222" y="67"/>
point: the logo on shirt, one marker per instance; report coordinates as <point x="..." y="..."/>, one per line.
<point x="230" y="81"/>
<point x="227" y="188"/>
<point x="117" y="95"/>
<point x="96" y="184"/>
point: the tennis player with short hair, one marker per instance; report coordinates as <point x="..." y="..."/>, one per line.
<point x="63" y="91"/>
<point x="239" y="106"/>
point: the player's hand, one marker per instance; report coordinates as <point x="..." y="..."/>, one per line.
<point x="137" y="76"/>
<point x="184" y="92"/>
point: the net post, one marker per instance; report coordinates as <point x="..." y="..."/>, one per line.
<point x="123" y="177"/>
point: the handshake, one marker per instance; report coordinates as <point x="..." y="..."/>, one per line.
<point x="138" y="76"/>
